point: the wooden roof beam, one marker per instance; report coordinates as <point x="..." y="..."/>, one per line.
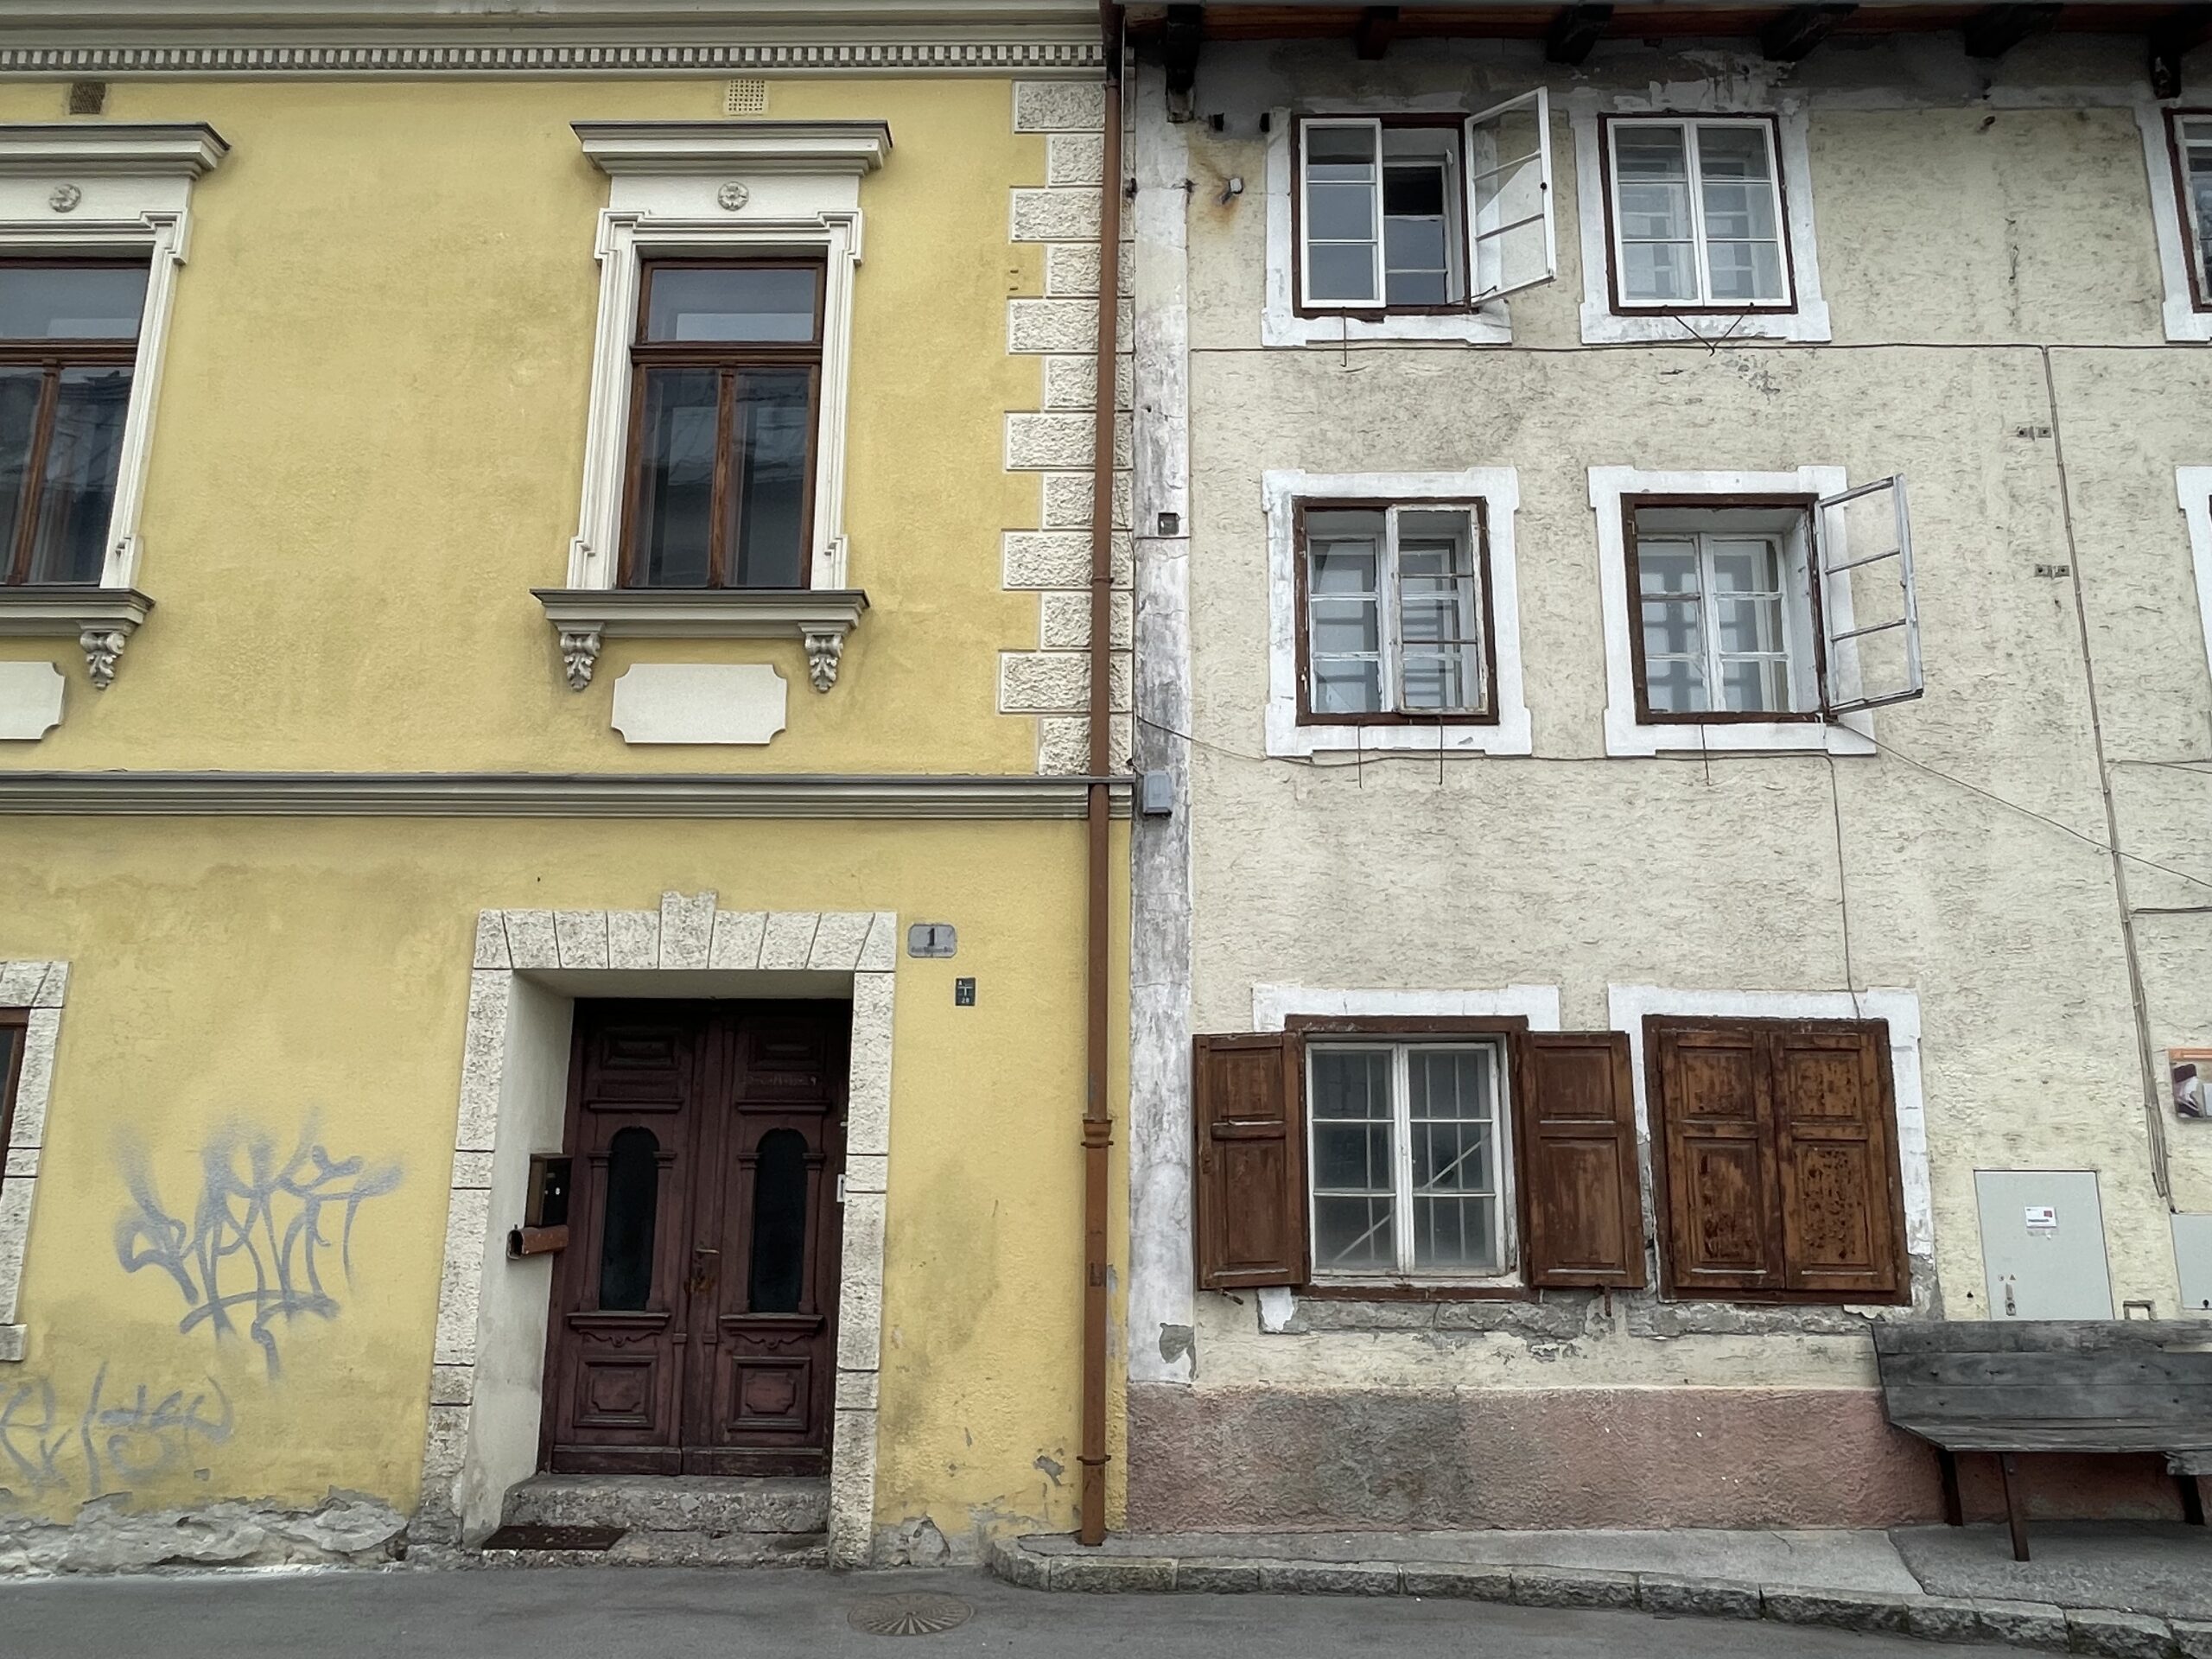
<point x="1995" y="30"/>
<point x="2186" y="28"/>
<point x="1574" y="32"/>
<point x="1792" y="36"/>
<point x="1376" y="29"/>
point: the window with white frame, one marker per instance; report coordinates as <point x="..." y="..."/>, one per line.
<point x="1408" y="1157"/>
<point x="1396" y="615"/>
<point x="1696" y="213"/>
<point x="2189" y="140"/>
<point x="1422" y="214"/>
<point x="1728" y="623"/>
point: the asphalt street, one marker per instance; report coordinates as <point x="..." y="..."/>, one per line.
<point x="614" y="1613"/>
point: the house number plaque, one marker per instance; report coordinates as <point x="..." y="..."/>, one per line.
<point x="932" y="939"/>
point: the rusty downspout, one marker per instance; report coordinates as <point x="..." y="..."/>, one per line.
<point x="1098" y="1120"/>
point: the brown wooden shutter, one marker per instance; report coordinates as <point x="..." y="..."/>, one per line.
<point x="1581" y="1214"/>
<point x="1713" y="1112"/>
<point x="1248" y="1107"/>
<point x="1842" y="1225"/>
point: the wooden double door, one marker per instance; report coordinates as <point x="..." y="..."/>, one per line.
<point x="693" y="1325"/>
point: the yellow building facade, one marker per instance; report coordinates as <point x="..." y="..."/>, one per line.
<point x="542" y="768"/>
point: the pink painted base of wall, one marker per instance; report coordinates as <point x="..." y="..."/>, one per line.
<point x="1268" y="1458"/>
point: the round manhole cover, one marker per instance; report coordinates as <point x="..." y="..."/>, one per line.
<point x="919" y="1614"/>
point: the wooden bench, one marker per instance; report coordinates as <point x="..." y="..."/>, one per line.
<point x="2006" y="1387"/>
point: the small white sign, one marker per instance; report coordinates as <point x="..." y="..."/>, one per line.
<point x="2043" y="1217"/>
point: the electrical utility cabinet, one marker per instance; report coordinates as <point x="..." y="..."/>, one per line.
<point x="2193" y="1255"/>
<point x="2043" y="1244"/>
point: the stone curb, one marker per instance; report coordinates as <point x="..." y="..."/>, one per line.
<point x="2041" y="1626"/>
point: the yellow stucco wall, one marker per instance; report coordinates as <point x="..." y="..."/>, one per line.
<point x="308" y="980"/>
<point x="369" y="443"/>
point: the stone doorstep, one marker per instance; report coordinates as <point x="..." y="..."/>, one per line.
<point x="2042" y="1626"/>
<point x="668" y="1548"/>
<point x="685" y="1505"/>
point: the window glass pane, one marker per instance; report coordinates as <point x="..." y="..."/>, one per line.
<point x="1739" y="212"/>
<point x="1345" y="626"/>
<point x="1340" y="272"/>
<point x="1352" y="1235"/>
<point x="625" y="1245"/>
<point x="1437" y="612"/>
<point x="1746" y="270"/>
<point x="1353" y="1228"/>
<point x="1339" y="152"/>
<point x="1648" y="150"/>
<point x="1657" y="272"/>
<point x="1452" y="1114"/>
<point x="676" y="480"/>
<point x="71" y="301"/>
<point x="1749" y="626"/>
<point x="19" y="396"/>
<point x="1755" y="687"/>
<point x="774" y="421"/>
<point x="1732" y="153"/>
<point x="1341" y="213"/>
<point x="1415" y="234"/>
<point x="76" y="496"/>
<point x="1655" y="213"/>
<point x="778" y="1271"/>
<point x="730" y="303"/>
<point x="1745" y="567"/>
<point x="1674" y="685"/>
<point x="1346" y="686"/>
<point x="1352" y="1082"/>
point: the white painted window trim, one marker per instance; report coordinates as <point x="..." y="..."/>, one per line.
<point x="2194" y="486"/>
<point x="40" y="986"/>
<point x="1627" y="1006"/>
<point x="1600" y="326"/>
<point x="2183" y="321"/>
<point x="77" y="190"/>
<point x="733" y="190"/>
<point x="1851" y="733"/>
<point x="1279" y="323"/>
<point x="1499" y="490"/>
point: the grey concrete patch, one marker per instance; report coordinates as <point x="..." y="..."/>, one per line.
<point x="1568" y="1586"/>
<point x="1844" y="1609"/>
<point x="2119" y="1635"/>
<point x="2147" y="1567"/>
<point x="1696" y="1598"/>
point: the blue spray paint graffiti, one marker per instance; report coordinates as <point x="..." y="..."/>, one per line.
<point x="131" y="1436"/>
<point x="257" y="1241"/>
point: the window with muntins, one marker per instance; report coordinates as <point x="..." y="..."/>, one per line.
<point x="727" y="366"/>
<point x="1396" y="610"/>
<point x="1729" y="625"/>
<point x="68" y="347"/>
<point x="2188" y="135"/>
<point x="1696" y="215"/>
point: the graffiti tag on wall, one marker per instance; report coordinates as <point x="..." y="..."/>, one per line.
<point x="119" y="1437"/>
<point x="261" y="1235"/>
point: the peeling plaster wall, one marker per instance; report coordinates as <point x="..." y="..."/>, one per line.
<point x="1575" y="870"/>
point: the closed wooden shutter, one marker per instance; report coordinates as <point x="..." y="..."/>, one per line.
<point x="1836" y="1161"/>
<point x="1581" y="1214"/>
<point x="1711" y="1087"/>
<point x="1248" y="1101"/>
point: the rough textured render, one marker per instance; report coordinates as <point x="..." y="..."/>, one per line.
<point x="1051" y="684"/>
<point x="688" y="933"/>
<point x="39" y="988"/>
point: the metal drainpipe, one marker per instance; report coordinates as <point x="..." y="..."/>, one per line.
<point x="1097" y="1121"/>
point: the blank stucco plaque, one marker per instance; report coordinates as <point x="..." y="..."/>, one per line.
<point x="30" y="701"/>
<point x="700" y="702"/>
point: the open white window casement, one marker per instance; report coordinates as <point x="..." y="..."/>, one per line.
<point x="1870" y="615"/>
<point x="1510" y="180"/>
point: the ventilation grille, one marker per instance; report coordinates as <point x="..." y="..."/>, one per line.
<point x="745" y="97"/>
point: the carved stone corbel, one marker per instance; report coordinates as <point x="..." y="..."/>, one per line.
<point x="822" y="652"/>
<point x="580" y="654"/>
<point x="102" y="646"/>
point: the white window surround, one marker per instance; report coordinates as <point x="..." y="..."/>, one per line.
<point x="40" y="986"/>
<point x="1601" y="327"/>
<point x="1279" y="323"/>
<point x="1498" y="488"/>
<point x="729" y="189"/>
<point x="2194" y="485"/>
<point x="1628" y="1005"/>
<point x="1851" y="733"/>
<point x="2183" y="321"/>
<point x="80" y="189"/>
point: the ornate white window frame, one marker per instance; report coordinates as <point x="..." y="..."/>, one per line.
<point x="1601" y="327"/>
<point x="1849" y="733"/>
<point x="732" y="189"/>
<point x="80" y="189"/>
<point x="1499" y="489"/>
<point x="488" y="1361"/>
<point x="41" y="987"/>
<point x="2183" y="320"/>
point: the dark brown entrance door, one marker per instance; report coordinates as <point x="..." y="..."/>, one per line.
<point x="694" y="1311"/>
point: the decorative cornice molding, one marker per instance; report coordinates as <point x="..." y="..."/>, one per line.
<point x="546" y="795"/>
<point x="103" y="619"/>
<point x="585" y="617"/>
<point x="665" y="148"/>
<point x="536" y="55"/>
<point x="30" y="149"/>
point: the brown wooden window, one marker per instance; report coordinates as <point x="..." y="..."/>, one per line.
<point x="727" y="383"/>
<point x="2189" y="141"/>
<point x="1695" y="215"/>
<point x="1396" y="614"/>
<point x="1467" y="1153"/>
<point x="14" y="1033"/>
<point x="1775" y="1165"/>
<point x="68" y="343"/>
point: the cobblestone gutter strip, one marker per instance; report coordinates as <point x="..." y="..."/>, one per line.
<point x="2041" y="1626"/>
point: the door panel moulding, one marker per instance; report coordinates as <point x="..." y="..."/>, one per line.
<point x="487" y="1367"/>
